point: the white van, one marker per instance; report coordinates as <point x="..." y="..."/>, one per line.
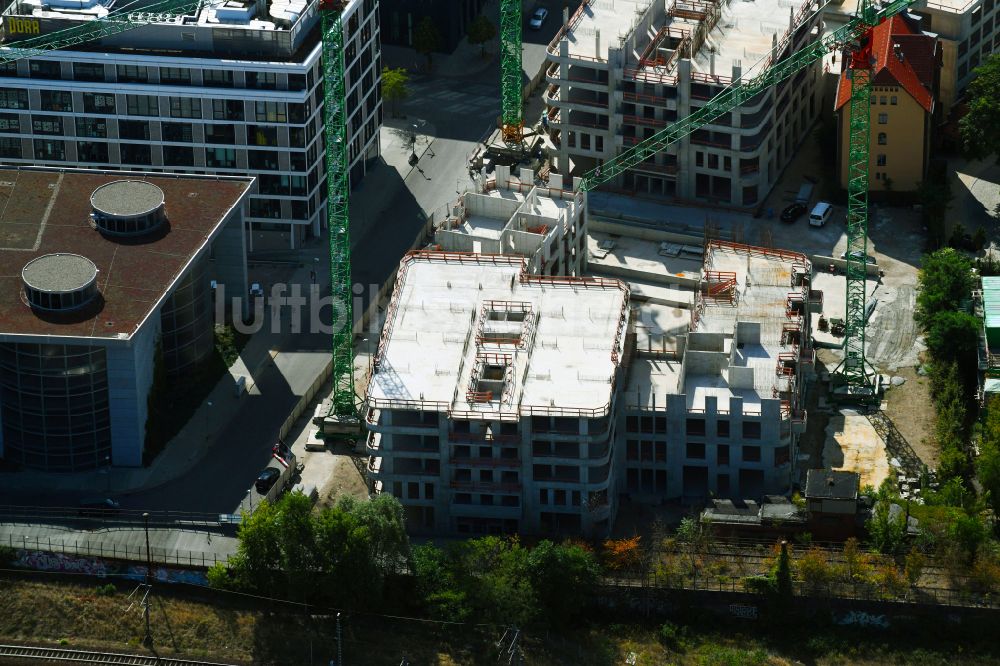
<point x="820" y="214"/>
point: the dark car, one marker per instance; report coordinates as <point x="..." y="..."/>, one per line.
<point x="793" y="212"/>
<point x="266" y="479"/>
<point x="99" y="506"/>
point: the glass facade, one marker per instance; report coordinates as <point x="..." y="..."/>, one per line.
<point x="186" y="321"/>
<point x="55" y="409"/>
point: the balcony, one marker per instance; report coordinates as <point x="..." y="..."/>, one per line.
<point x="374" y="467"/>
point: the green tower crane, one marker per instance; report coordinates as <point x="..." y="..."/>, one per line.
<point x="344" y="402"/>
<point x="344" y="408"/>
<point x="853" y="378"/>
<point x="512" y="117"/>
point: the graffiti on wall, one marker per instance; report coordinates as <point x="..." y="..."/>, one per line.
<point x="862" y="619"/>
<point x="42" y="561"/>
<point x="59" y="562"/>
<point x="743" y="611"/>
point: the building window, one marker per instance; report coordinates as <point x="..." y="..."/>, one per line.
<point x="696" y="427"/>
<point x="217" y="78"/>
<point x="10" y="147"/>
<point x="883" y="118"/>
<point x="722" y="454"/>
<point x="271" y="112"/>
<point x="133" y="129"/>
<point x="56" y="100"/>
<point x="722" y="428"/>
<point x="177" y="132"/>
<point x="88" y="71"/>
<point x="696" y="450"/>
<point x="50" y="150"/>
<point x="134" y="153"/>
<point x="90" y="151"/>
<point x="220" y="134"/>
<point x="883" y="138"/>
<point x="262" y="80"/>
<point x="132" y="74"/>
<point x="10" y="122"/>
<point x="141" y="105"/>
<point x="46" y="125"/>
<point x="175" y="76"/>
<point x="631" y="449"/>
<point x="227" y="109"/>
<point x="261" y="135"/>
<point x="882" y="100"/>
<point x="45" y="69"/>
<point x="185" y="107"/>
<point x="96" y="128"/>
<point x="880" y="160"/>
<point x="98" y="103"/>
<point x="13" y="98"/>
<point x="751" y="454"/>
<point x="751" y="430"/>
<point x="178" y="156"/>
<point x="893" y="100"/>
<point x="220" y="157"/>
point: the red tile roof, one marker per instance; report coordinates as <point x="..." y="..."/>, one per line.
<point x="44" y="211"/>
<point x="914" y="72"/>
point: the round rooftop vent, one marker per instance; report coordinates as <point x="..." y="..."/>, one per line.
<point x="128" y="208"/>
<point x="59" y="281"/>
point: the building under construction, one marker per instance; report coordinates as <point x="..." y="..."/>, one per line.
<point x="512" y="216"/>
<point x="504" y="402"/>
<point x="621" y="70"/>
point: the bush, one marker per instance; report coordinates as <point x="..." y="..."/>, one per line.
<point x="108" y="590"/>
<point x="672" y="636"/>
<point x="814" y="570"/>
<point x="7" y="555"/>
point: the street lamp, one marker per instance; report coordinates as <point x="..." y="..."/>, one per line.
<point x="107" y="471"/>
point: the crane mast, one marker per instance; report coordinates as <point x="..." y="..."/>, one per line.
<point x="343" y="410"/>
<point x="512" y="117"/>
<point x="853" y="377"/>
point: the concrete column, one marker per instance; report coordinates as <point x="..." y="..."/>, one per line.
<point x="130" y="377"/>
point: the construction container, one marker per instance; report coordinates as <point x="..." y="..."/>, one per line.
<point x="991" y="312"/>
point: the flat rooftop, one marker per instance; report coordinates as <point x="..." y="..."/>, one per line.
<point x="743" y="34"/>
<point x="611" y="18"/>
<point x="457" y="322"/>
<point x="635" y="257"/>
<point x="47" y="211"/>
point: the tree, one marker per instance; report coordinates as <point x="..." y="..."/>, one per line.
<point x="814" y="570"/>
<point x="886" y="531"/>
<point x="622" y="554"/>
<point x="481" y="31"/>
<point x="935" y="196"/>
<point x="988" y="462"/>
<point x="783" y="573"/>
<point x="395" y="87"/>
<point x="953" y="337"/>
<point x="980" y="127"/>
<point x="427" y="38"/>
<point x="944" y="281"/>
<point x="342" y="553"/>
<point x="563" y="577"/>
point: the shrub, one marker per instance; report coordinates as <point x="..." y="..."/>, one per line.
<point x="672" y="636"/>
<point x="108" y="590"/>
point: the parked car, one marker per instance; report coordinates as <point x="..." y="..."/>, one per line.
<point x="538" y="18"/>
<point x="266" y="479"/>
<point x="858" y="255"/>
<point x="821" y="214"/>
<point x="793" y="212"/>
<point x="99" y="506"/>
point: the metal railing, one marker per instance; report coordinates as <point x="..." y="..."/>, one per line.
<point x="62" y="514"/>
<point x="112" y="551"/>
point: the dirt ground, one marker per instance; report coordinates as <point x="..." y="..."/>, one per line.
<point x="910" y="408"/>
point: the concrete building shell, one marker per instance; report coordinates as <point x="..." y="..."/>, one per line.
<point x="512" y="216"/>
<point x="502" y="402"/>
<point x="491" y="405"/>
<point x="622" y="70"/>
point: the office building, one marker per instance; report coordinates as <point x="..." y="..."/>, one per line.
<point x="451" y="18"/>
<point x="105" y="268"/>
<point x="233" y="88"/>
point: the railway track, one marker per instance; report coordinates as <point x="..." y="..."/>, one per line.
<point x="66" y="656"/>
